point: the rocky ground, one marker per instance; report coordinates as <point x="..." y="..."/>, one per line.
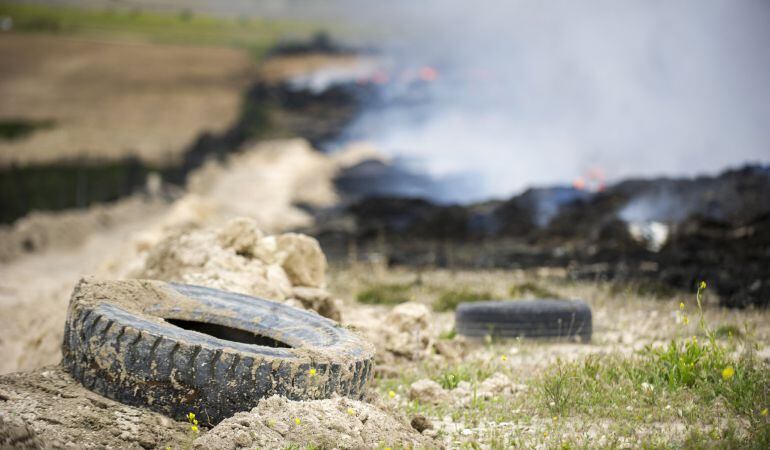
<point x="434" y="388"/>
<point x="431" y="387"/>
<point x="228" y="228"/>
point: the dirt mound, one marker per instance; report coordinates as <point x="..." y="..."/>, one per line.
<point x="48" y="409"/>
<point x="266" y="181"/>
<point x="334" y="423"/>
<point x="238" y="257"/>
<point x="16" y="434"/>
<point x="406" y="332"/>
<point x="41" y="231"/>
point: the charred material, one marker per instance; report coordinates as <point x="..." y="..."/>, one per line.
<point x="670" y="231"/>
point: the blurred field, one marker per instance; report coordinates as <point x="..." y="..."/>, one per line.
<point x="185" y="27"/>
<point x="111" y="99"/>
<point x="82" y="84"/>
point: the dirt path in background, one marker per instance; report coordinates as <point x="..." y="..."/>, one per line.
<point x="110" y="99"/>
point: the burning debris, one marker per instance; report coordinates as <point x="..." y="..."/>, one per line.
<point x="672" y="231"/>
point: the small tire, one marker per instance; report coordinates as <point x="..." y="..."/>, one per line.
<point x="178" y="349"/>
<point x="525" y="318"/>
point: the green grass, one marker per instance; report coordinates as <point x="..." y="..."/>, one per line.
<point x="450" y="377"/>
<point x="645" y="288"/>
<point x="678" y="395"/>
<point x="181" y="28"/>
<point x="448" y="335"/>
<point x="695" y="376"/>
<point x="728" y="331"/>
<point x="385" y="294"/>
<point x="449" y="299"/>
<point x="16" y="129"/>
<point x="530" y="289"/>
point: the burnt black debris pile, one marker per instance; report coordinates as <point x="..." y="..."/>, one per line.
<point x="671" y="232"/>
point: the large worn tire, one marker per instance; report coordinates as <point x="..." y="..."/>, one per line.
<point x="525" y="318"/>
<point x="119" y="341"/>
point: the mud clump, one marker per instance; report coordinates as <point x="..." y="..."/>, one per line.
<point x="421" y="423"/>
<point x="333" y="423"/>
<point x="16" y="434"/>
<point x="48" y="409"/>
<point x="238" y="257"/>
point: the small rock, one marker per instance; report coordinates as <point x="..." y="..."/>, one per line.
<point x="241" y="235"/>
<point x="406" y="330"/>
<point x="495" y="385"/>
<point x="431" y="433"/>
<point x="302" y="259"/>
<point x="319" y="300"/>
<point x="426" y="391"/>
<point x="242" y="439"/>
<point x="447" y="350"/>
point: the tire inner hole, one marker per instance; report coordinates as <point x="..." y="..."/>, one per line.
<point x="228" y="333"/>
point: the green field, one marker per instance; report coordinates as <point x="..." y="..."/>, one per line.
<point x="184" y="27"/>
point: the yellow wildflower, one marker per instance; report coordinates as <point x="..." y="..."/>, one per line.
<point x="763" y="412"/>
<point x="681" y="305"/>
<point x="728" y="373"/>
<point x="685" y="320"/>
<point x="703" y="285"/>
<point x="297" y="420"/>
<point x="391" y="394"/>
<point x="194" y="428"/>
<point x="351" y="411"/>
<point x="312" y="372"/>
<point x="503" y="358"/>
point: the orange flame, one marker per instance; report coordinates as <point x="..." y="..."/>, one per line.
<point x="593" y="180"/>
<point x="380" y="77"/>
<point x="428" y="73"/>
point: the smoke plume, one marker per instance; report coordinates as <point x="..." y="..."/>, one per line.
<point x="539" y="92"/>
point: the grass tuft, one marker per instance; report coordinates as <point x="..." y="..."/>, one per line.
<point x="681" y="373"/>
<point x="530" y="289"/>
<point x="253" y="34"/>
<point x="449" y="299"/>
<point x="450" y="377"/>
<point x="385" y="294"/>
<point x="16" y="129"/>
<point x="728" y="331"/>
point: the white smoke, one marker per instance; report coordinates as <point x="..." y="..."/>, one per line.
<point x="536" y="92"/>
<point x="637" y="88"/>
